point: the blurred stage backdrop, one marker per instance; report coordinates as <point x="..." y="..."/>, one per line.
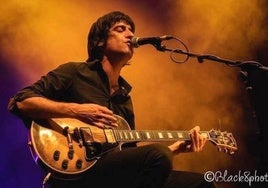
<point x="37" y="36"/>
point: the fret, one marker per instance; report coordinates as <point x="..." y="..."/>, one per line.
<point x="174" y="135"/>
<point x="116" y="135"/>
<point x="167" y="135"/>
<point x="155" y="135"/>
<point x="142" y="135"/>
<point x="185" y="135"/>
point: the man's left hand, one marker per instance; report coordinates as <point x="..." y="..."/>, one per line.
<point x="196" y="143"/>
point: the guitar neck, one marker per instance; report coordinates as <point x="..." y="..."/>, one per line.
<point x="153" y="136"/>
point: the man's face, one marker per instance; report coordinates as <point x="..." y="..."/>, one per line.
<point x="119" y="40"/>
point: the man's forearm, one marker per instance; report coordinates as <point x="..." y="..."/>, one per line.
<point x="42" y="108"/>
<point x="39" y="107"/>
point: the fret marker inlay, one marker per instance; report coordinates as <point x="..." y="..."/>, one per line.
<point x="131" y="135"/>
<point x="160" y="135"/>
<point x="180" y="135"/>
<point x="126" y="136"/>
<point x="137" y="135"/>
<point x="169" y="135"/>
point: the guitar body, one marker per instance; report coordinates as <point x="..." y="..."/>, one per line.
<point x="50" y="146"/>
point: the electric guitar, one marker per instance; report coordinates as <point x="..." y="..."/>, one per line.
<point x="67" y="147"/>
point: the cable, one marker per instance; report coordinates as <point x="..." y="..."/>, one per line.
<point x="46" y="179"/>
<point x="178" y="50"/>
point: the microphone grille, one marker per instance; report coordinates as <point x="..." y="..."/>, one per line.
<point x="134" y="42"/>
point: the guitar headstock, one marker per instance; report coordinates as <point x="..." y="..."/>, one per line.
<point x="223" y="140"/>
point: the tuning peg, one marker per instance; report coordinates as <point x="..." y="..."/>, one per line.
<point x="219" y="149"/>
<point x="225" y="150"/>
<point x="231" y="152"/>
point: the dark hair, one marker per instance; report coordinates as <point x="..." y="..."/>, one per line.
<point x="99" y="32"/>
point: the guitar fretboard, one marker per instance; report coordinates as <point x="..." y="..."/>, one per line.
<point x="135" y="135"/>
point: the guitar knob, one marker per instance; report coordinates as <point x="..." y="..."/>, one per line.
<point x="64" y="164"/>
<point x="56" y="155"/>
<point x="70" y="154"/>
<point x="79" y="163"/>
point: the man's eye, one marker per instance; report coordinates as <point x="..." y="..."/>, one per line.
<point x="119" y="29"/>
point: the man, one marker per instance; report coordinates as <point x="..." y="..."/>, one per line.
<point x="93" y="91"/>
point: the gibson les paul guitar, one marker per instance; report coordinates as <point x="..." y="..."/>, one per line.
<point x="67" y="147"/>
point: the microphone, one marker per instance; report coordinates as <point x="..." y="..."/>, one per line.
<point x="155" y="41"/>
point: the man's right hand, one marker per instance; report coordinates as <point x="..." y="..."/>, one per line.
<point x="95" y="114"/>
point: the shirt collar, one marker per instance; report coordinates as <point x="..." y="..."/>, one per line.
<point x="125" y="87"/>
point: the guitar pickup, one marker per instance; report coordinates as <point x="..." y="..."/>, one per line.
<point x="109" y="135"/>
<point x="92" y="149"/>
<point x="86" y="134"/>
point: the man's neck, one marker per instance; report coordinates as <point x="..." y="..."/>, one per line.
<point x="112" y="70"/>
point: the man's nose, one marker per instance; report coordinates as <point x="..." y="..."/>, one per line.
<point x="129" y="34"/>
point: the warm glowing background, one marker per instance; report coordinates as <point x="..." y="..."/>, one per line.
<point x="37" y="36"/>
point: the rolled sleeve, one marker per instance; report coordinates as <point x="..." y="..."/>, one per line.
<point x="50" y="86"/>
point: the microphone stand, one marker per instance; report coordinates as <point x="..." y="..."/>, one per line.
<point x="244" y="65"/>
<point x="246" y="71"/>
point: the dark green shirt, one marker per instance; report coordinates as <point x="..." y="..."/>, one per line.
<point x="83" y="82"/>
